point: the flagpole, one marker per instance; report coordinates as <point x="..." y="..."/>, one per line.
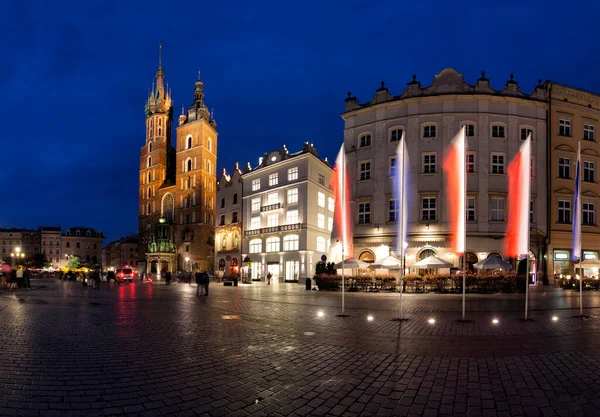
<point x="401" y="236"/>
<point x="464" y="168"/>
<point x="344" y="223"/>
<point x="528" y="237"/>
<point x="579" y="219"/>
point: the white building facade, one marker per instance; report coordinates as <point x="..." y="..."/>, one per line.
<point x="496" y="123"/>
<point x="287" y="214"/>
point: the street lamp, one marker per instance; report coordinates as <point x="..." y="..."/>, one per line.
<point x="16" y="255"/>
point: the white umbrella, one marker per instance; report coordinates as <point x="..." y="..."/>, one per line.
<point x="432" y="262"/>
<point x="389" y="262"/>
<point x="352" y="263"/>
<point x="493" y="262"/>
<point x="591" y="263"/>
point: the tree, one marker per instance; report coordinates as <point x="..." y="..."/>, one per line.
<point x="38" y="260"/>
<point x="74" y="262"/>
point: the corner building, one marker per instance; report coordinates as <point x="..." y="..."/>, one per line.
<point x="177" y="185"/>
<point x="496" y="121"/>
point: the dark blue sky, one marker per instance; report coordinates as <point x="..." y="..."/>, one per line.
<point x="75" y="75"/>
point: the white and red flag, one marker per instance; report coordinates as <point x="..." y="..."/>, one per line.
<point x="454" y="170"/>
<point x="519" y="188"/>
<point x="342" y="230"/>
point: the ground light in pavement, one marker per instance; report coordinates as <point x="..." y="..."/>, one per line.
<point x="320" y="314"/>
<point x="370" y="318"/>
<point x="495" y="321"/>
<point x="431" y="321"/>
<point x="554" y="318"/>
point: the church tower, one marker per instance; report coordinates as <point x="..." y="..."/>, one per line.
<point x="156" y="158"/>
<point x="196" y="182"/>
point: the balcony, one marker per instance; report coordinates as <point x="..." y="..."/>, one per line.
<point x="274" y="229"/>
<point x="270" y="207"/>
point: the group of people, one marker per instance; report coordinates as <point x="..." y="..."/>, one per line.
<point x="202" y="281"/>
<point x="16" y="278"/>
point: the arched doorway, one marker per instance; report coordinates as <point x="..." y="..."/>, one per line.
<point x="164" y="266"/>
<point x="153" y="267"/>
<point x="472" y="259"/>
<point x="496" y="254"/>
<point x="233" y="266"/>
<point x="222" y="265"/>
<point x="367" y="256"/>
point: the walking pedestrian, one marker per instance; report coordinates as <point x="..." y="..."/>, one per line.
<point x="96" y="279"/>
<point x="168" y="278"/>
<point x="206" y="282"/>
<point x="269" y="278"/>
<point x="110" y="278"/>
<point x="199" y="282"/>
<point x="20" y="280"/>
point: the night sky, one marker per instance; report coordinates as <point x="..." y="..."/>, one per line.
<point x="75" y="76"/>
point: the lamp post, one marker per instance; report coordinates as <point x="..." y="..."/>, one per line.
<point x="16" y="255"/>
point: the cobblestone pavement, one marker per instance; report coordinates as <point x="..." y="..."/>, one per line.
<point x="152" y="349"/>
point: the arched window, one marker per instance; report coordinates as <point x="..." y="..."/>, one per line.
<point x="188" y="165"/>
<point x="159" y="131"/>
<point x="256" y="246"/>
<point x="168" y="207"/>
<point x="149" y="176"/>
<point x="150" y="147"/>
<point x="222" y="264"/>
<point x="291" y="242"/>
<point x="471" y="260"/>
<point x="77" y="233"/>
<point x="425" y="253"/>
<point x="151" y="123"/>
<point x="160" y="122"/>
<point x="189" y="182"/>
<point x="88" y="233"/>
<point x="496" y="254"/>
<point x="188" y="142"/>
<point x="208" y="166"/>
<point x="149" y="193"/>
<point x="149" y="211"/>
<point x="149" y="161"/>
<point x="367" y="256"/>
<point x="209" y="144"/>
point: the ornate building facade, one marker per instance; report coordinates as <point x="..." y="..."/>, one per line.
<point x="177" y="184"/>
<point x="229" y="223"/>
<point x="496" y="122"/>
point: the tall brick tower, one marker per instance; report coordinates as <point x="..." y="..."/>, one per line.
<point x="177" y="185"/>
<point x="196" y="181"/>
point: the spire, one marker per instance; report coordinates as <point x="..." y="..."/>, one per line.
<point x="160" y="89"/>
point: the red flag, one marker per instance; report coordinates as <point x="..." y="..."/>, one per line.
<point x="342" y="229"/>
<point x="454" y="170"/>
<point x="519" y="184"/>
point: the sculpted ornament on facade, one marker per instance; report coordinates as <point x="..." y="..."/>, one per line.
<point x="448" y="119"/>
<point x="483" y="119"/>
<point x="413" y="124"/>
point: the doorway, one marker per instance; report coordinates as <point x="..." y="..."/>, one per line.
<point x="292" y="269"/>
<point x="274" y="270"/>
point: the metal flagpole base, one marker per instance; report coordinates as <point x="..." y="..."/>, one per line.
<point x="343" y="315"/>
<point x="399" y="319"/>
<point x="527" y="319"/>
<point x="581" y="316"/>
<point x="464" y="321"/>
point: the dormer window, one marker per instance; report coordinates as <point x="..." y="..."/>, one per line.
<point x="77" y="233"/>
<point x="429" y="131"/>
<point x="68" y="233"/>
<point x="365" y="140"/>
<point x="88" y="233"/>
<point x="498" y="131"/>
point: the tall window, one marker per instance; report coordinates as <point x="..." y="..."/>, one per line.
<point x="256" y="246"/>
<point x="428" y="208"/>
<point x="395" y="135"/>
<point x="365" y="170"/>
<point x="150" y="147"/>
<point x="223" y="202"/>
<point x="293" y="174"/>
<point x="189" y="165"/>
<point x="321" y="179"/>
<point x="564" y="168"/>
<point x="292" y="217"/>
<point x="589" y="132"/>
<point x="209" y="144"/>
<point x="235" y="199"/>
<point x="365" y="140"/>
<point x="564" y="211"/>
<point x="471" y="208"/>
<point x="589" y="214"/>
<point x="256" y="184"/>
<point x="497" y="163"/>
<point x="429" y="131"/>
<point x="291" y="242"/>
<point x="273" y="179"/>
<point x="498" y="131"/>
<point x="330" y="223"/>
<point x="272" y="198"/>
<point x="256" y="204"/>
<point x="393" y="210"/>
<point x="168" y="207"/>
<point x="255" y="223"/>
<point x="321" y="221"/>
<point x="564" y="127"/>
<point x="429" y="163"/>
<point x="320" y="244"/>
<point x="531" y="211"/>
<point x="331" y="204"/>
<point x="273" y="220"/>
<point x="589" y="171"/>
<point x="223" y="241"/>
<point x="292" y="196"/>
<point x="188" y="143"/>
<point x="149" y="161"/>
<point x="392" y="166"/>
<point x="526" y="132"/>
<point x="234" y="217"/>
<point x="321" y="199"/>
<point x="222" y="220"/>
<point x="470" y="130"/>
<point x="273" y="244"/>
<point x="498" y="206"/>
<point x="470" y="161"/>
<point x="364" y="213"/>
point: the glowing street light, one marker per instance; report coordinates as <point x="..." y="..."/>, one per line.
<point x="320" y="314"/>
<point x="431" y="321"/>
<point x="370" y="318"/>
<point x="554" y="318"/>
<point x="495" y="321"/>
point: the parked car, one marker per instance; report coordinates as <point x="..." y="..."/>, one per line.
<point x="125" y="274"/>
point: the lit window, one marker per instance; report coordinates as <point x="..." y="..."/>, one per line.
<point x="330" y="223"/>
<point x="564" y="168"/>
<point x="497" y="163"/>
<point x="428" y="208"/>
<point x="292" y="196"/>
<point x="589" y="171"/>
<point x="498" y="205"/>
<point x="255" y="246"/>
<point x="321" y="199"/>
<point x="471" y="208"/>
<point x="255" y="204"/>
<point x="564" y="211"/>
<point x="589" y="132"/>
<point x="273" y="179"/>
<point x="498" y="131"/>
<point x="364" y="213"/>
<point x="321" y="221"/>
<point x="470" y="130"/>
<point x="272" y="198"/>
<point x="320" y="244"/>
<point x="273" y="244"/>
<point x="255" y="223"/>
<point x="564" y="127"/>
<point x="291" y="242"/>
<point x="293" y="174"/>
<point x="331" y="203"/>
<point x="589" y="214"/>
<point x="256" y="184"/>
<point x="393" y="210"/>
<point x="292" y="217"/>
<point x="395" y="135"/>
<point x="429" y="131"/>
<point x="429" y="163"/>
<point x="470" y="161"/>
<point x="392" y="166"/>
<point x="273" y="220"/>
<point x="526" y="132"/>
<point x="365" y="171"/>
<point x="365" y="140"/>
